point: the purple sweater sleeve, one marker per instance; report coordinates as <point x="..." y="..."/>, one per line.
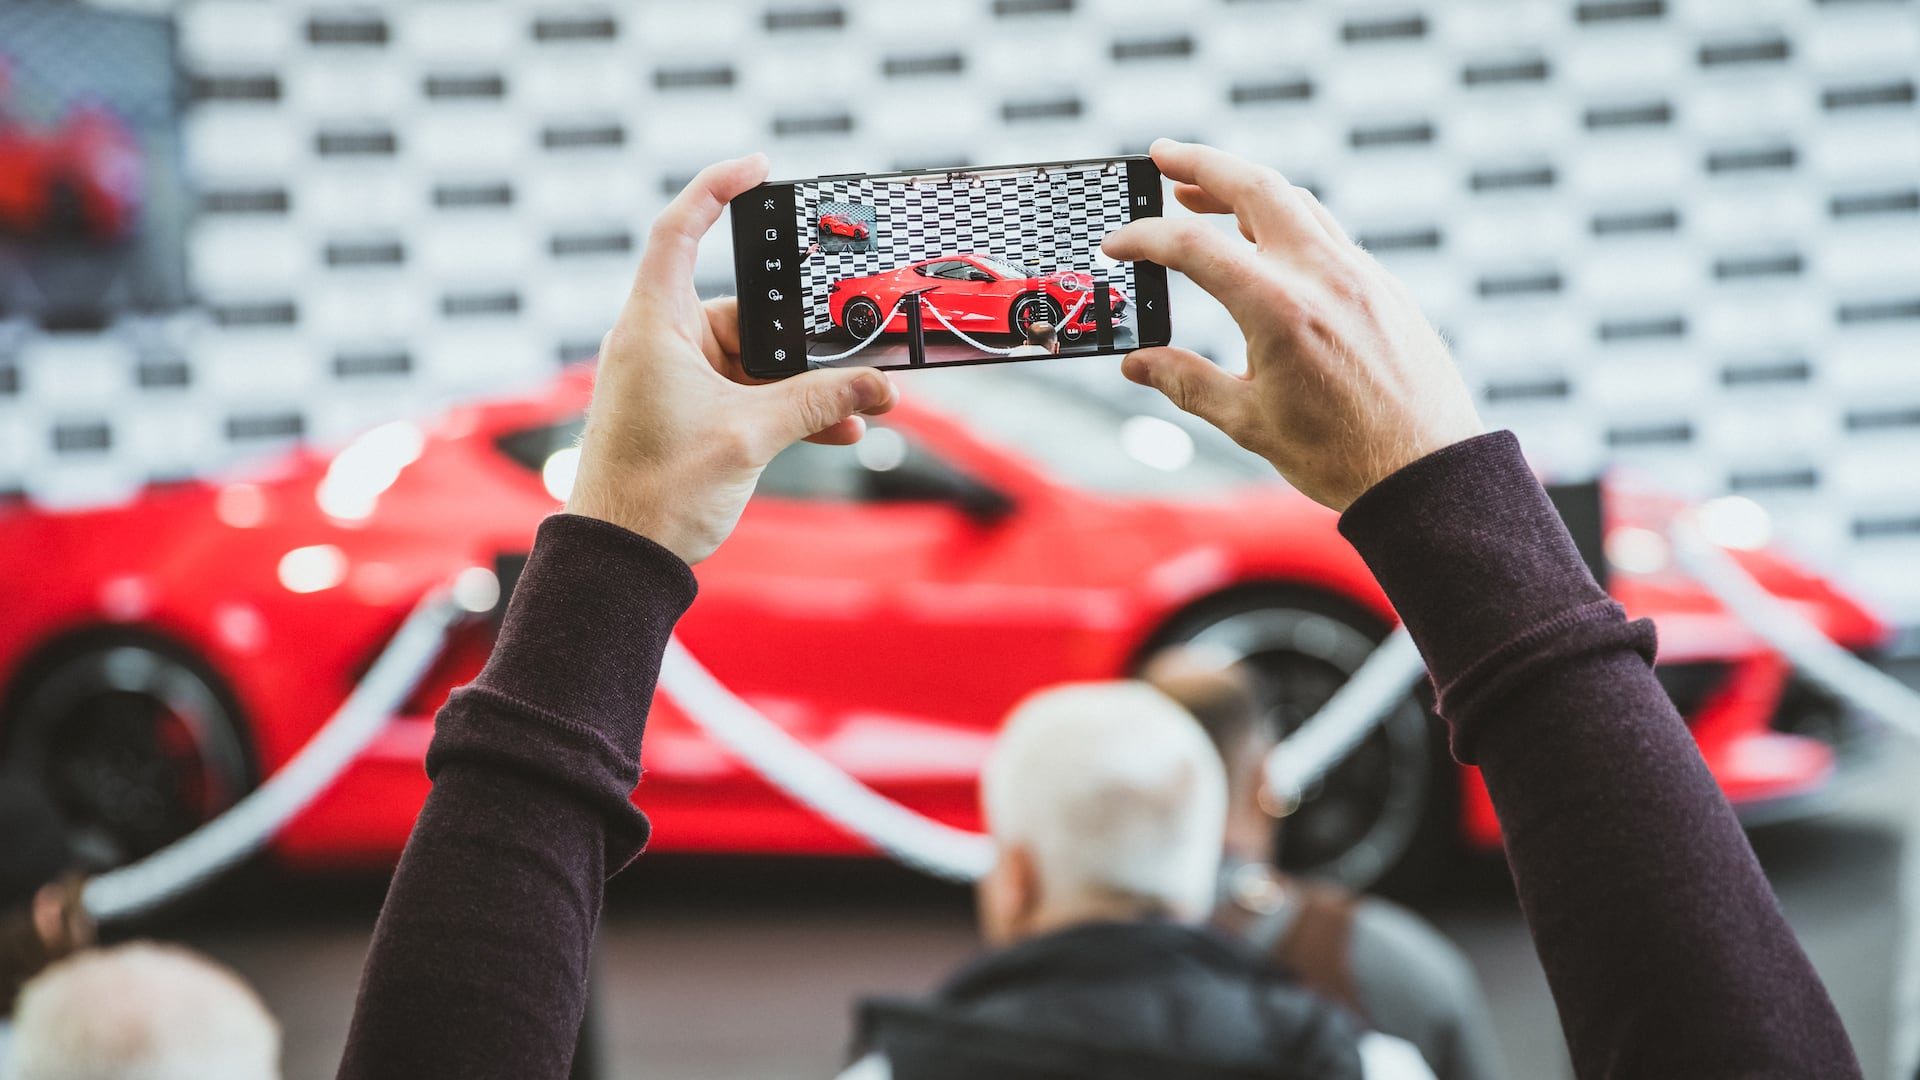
<point x="1662" y="942"/>
<point x="479" y="962"/>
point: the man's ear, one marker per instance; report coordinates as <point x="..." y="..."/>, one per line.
<point x="1009" y="896"/>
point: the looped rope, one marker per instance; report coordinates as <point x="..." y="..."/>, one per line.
<point x="249" y="823"/>
<point x="878" y="329"/>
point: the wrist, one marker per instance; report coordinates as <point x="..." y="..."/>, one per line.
<point x="634" y="508"/>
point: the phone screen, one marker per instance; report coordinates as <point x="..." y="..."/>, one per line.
<point x="927" y="269"/>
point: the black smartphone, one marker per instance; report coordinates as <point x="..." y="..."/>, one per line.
<point x="945" y="266"/>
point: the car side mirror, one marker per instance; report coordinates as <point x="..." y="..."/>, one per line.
<point x="913" y="481"/>
<point x="979" y="275"/>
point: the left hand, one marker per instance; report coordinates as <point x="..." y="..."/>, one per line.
<point x="677" y="434"/>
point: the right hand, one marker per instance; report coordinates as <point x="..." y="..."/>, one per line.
<point x="1346" y="381"/>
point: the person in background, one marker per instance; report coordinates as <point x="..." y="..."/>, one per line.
<point x="1389" y="966"/>
<point x="1042" y="340"/>
<point x="1105" y="803"/>
<point x="41" y="917"/>
<point x="141" y="1011"/>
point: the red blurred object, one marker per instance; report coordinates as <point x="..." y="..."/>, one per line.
<point x="979" y="294"/>
<point x="83" y="179"/>
<point x="887" y="604"/>
<point x="835" y="225"/>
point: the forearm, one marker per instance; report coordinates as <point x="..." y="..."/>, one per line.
<point x="1662" y="942"/>
<point x="478" y="964"/>
<point x="478" y="967"/>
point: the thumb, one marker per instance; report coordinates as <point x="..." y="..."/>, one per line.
<point x="810" y="403"/>
<point x="1192" y="382"/>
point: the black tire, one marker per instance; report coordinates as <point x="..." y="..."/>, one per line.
<point x="860" y="317"/>
<point x="1030" y="309"/>
<point x="1382" y="820"/>
<point x="137" y="742"/>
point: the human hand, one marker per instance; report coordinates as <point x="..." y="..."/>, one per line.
<point x="677" y="434"/>
<point x="1346" y="381"/>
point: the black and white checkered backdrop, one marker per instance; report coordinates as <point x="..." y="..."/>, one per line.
<point x="1678" y="236"/>
<point x="1053" y="220"/>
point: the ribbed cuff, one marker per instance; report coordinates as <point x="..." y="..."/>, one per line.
<point x="1479" y="565"/>
<point x="565" y="694"/>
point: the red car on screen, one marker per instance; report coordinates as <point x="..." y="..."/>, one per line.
<point x="978" y="294"/>
<point x="835" y="225"/>
<point x="83" y="180"/>
<point x="886" y="603"/>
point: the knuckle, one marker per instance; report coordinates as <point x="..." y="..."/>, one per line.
<point x="736" y="445"/>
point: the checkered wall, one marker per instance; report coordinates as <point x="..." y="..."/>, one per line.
<point x="1678" y="236"/>
<point x="1053" y="220"/>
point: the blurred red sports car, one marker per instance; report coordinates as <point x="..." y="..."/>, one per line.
<point x="83" y="180"/>
<point x="835" y="225"/>
<point x="979" y="294"/>
<point x="886" y="603"/>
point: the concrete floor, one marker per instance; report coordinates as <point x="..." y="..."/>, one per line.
<point x="746" y="968"/>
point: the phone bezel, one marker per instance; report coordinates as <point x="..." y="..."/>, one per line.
<point x="753" y="343"/>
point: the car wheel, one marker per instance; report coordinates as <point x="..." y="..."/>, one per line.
<point x="1030" y="309"/>
<point x="138" y="745"/>
<point x="860" y="317"/>
<point x="1381" y="818"/>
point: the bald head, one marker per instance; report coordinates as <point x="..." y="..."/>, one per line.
<point x="141" y="1011"/>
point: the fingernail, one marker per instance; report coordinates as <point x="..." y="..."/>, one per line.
<point x="1161" y="143"/>
<point x="870" y="391"/>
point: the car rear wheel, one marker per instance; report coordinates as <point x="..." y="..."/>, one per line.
<point x="1380" y="818"/>
<point x="860" y="317"/>
<point x="138" y="745"/>
<point x="1030" y="309"/>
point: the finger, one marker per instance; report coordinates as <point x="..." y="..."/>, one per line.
<point x="845" y="433"/>
<point x="674" y="240"/>
<point x="1192" y="382"/>
<point x="723" y="317"/>
<point x="1260" y="197"/>
<point x="1197" y="200"/>
<point x="816" y="402"/>
<point x="1215" y="261"/>
<point x="1323" y="215"/>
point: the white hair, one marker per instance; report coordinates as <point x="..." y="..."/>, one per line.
<point x="1114" y="789"/>
<point x="141" y="1011"/>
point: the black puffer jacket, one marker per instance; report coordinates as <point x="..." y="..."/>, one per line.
<point x="1116" y="1000"/>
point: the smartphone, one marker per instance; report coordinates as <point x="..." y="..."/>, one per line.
<point x="943" y="267"/>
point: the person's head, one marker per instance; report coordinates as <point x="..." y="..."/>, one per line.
<point x="1105" y="803"/>
<point x="41" y="918"/>
<point x="1044" y="335"/>
<point x="141" y="1011"/>
<point x="1221" y="698"/>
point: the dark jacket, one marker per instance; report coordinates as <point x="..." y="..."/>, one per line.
<point x="1116" y="1000"/>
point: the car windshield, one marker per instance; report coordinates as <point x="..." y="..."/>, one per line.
<point x="1115" y="442"/>
<point x="1009" y="267"/>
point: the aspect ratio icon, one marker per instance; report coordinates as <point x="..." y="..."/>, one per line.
<point x="773" y="264"/>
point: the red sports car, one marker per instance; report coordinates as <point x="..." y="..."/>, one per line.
<point x="83" y="180"/>
<point x="835" y="225"/>
<point x="886" y="603"/>
<point x="978" y="294"/>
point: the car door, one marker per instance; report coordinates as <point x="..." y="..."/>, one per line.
<point x="881" y="579"/>
<point x="972" y="297"/>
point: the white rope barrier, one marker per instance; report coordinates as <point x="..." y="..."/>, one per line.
<point x="1784" y="629"/>
<point x="790" y="765"/>
<point x="1344" y="722"/>
<point x="1065" y="320"/>
<point x="878" y="329"/>
<point x="245" y="826"/>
